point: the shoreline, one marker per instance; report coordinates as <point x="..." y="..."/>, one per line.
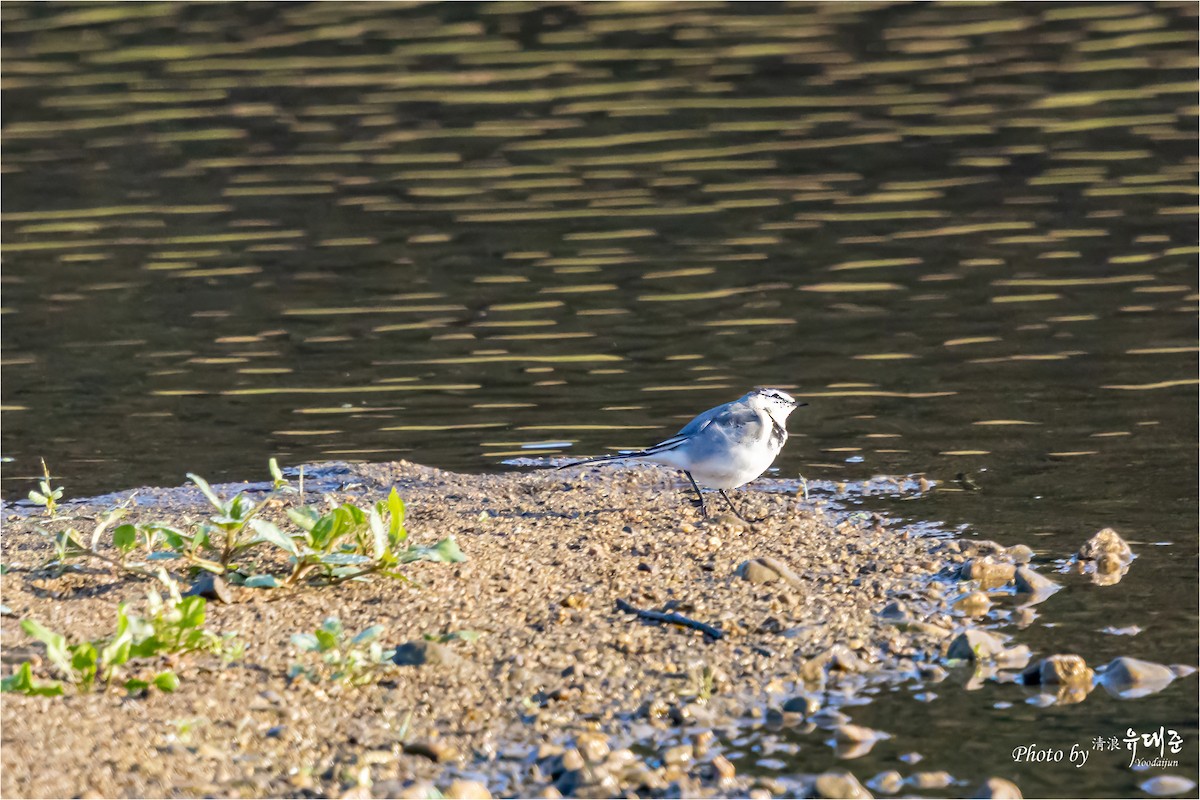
<point x="563" y="690"/>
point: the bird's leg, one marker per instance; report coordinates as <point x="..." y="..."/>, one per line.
<point x="739" y="514"/>
<point x="699" y="496"/>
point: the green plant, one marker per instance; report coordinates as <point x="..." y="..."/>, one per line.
<point x="47" y="496"/>
<point x="174" y="627"/>
<point x="356" y="660"/>
<point x="349" y="543"/>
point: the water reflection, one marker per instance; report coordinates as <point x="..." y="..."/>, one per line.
<point x="966" y="235"/>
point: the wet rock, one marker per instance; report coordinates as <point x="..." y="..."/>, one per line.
<point x="1106" y="543"/>
<point x="724" y="768"/>
<point x="1059" y="670"/>
<point x="1163" y="785"/>
<point x="998" y="789"/>
<point x="838" y="783"/>
<point x="801" y="704"/>
<point x="420" y="652"/>
<point x="1127" y="677"/>
<point x="894" y="612"/>
<point x="990" y="573"/>
<point x="889" y="782"/>
<point x="768" y="570"/>
<point x="838" y="657"/>
<point x="467" y="790"/>
<point x="593" y="747"/>
<point x="211" y="587"/>
<point x="932" y="780"/>
<point x="678" y="754"/>
<point x="1020" y="553"/>
<point x="435" y="750"/>
<point x="974" y="644"/>
<point x="1029" y="582"/>
<point x="973" y="604"/>
<point x="855" y="733"/>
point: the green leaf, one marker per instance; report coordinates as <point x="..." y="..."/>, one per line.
<point x="344" y="559"/>
<point x="445" y="551"/>
<point x="276" y="474"/>
<point x="368" y="635"/>
<point x="22" y="681"/>
<point x="125" y="537"/>
<point x="261" y="582"/>
<point x="192" y="609"/>
<point x="84" y="657"/>
<point x="357" y="517"/>
<point x="208" y="493"/>
<point x="38" y="498"/>
<point x="325" y="640"/>
<point x="133" y="685"/>
<point x="147" y="648"/>
<point x="269" y="532"/>
<point x="56" y="645"/>
<point x="305" y="517"/>
<point x="167" y="680"/>
<point x="306" y="641"/>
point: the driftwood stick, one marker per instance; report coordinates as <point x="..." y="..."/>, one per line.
<point x="673" y="619"/>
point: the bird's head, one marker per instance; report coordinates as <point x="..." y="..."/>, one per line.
<point x="775" y="402"/>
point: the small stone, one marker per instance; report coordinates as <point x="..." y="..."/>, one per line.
<point x="975" y="644"/>
<point x="1131" y="677"/>
<point x="436" y="750"/>
<point x="467" y="790"/>
<point x="1106" y="542"/>
<point x="1029" y="582"/>
<point x="990" y="574"/>
<point x="210" y="586"/>
<point x="593" y="746"/>
<point x="932" y="780"/>
<point x="974" y="604"/>
<point x="998" y="789"/>
<point x="801" y="704"/>
<point x="572" y="759"/>
<point x="678" y="754"/>
<point x="724" y="768"/>
<point x="1162" y="785"/>
<point x="421" y="790"/>
<point x="889" y="782"/>
<point x="768" y="570"/>
<point x="838" y="783"/>
<point x="894" y="612"/>
<point x="1059" y="670"/>
<point x="1020" y="553"/>
<point x="421" y="651"/>
<point x="855" y="733"/>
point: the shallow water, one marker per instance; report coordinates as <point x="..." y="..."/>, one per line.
<point x="460" y="234"/>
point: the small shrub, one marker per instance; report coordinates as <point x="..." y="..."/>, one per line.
<point x="355" y="661"/>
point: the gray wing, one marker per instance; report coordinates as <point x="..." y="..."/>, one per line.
<point x="730" y="416"/>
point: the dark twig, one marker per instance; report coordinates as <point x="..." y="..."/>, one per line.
<point x="673" y="619"/>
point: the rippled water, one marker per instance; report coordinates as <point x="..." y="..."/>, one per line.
<point x="462" y="233"/>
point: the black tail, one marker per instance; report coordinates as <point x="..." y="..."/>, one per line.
<point x="614" y="457"/>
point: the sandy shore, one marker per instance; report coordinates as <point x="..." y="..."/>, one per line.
<point x="565" y="691"/>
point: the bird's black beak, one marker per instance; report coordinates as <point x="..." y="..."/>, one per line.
<point x="800" y="404"/>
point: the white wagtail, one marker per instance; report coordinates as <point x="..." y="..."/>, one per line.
<point x="725" y="447"/>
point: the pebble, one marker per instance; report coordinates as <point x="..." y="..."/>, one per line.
<point x="724" y="768"/>
<point x="593" y="746"/>
<point x="467" y="790"/>
<point x="855" y="733"/>
<point x="1059" y="670"/>
<point x="1020" y="553"/>
<point x="975" y="644"/>
<point x="990" y="574"/>
<point x="1029" y="582"/>
<point x="768" y="570"/>
<point x="436" y="750"/>
<point x="974" y="604"/>
<point x="1131" y="677"/>
<point x="1106" y="542"/>
<point x="839" y="784"/>
<point x="677" y="754"/>
<point x="889" y="782"/>
<point x="998" y="789"/>
<point x="932" y="780"/>
<point x="1166" y="785"/>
